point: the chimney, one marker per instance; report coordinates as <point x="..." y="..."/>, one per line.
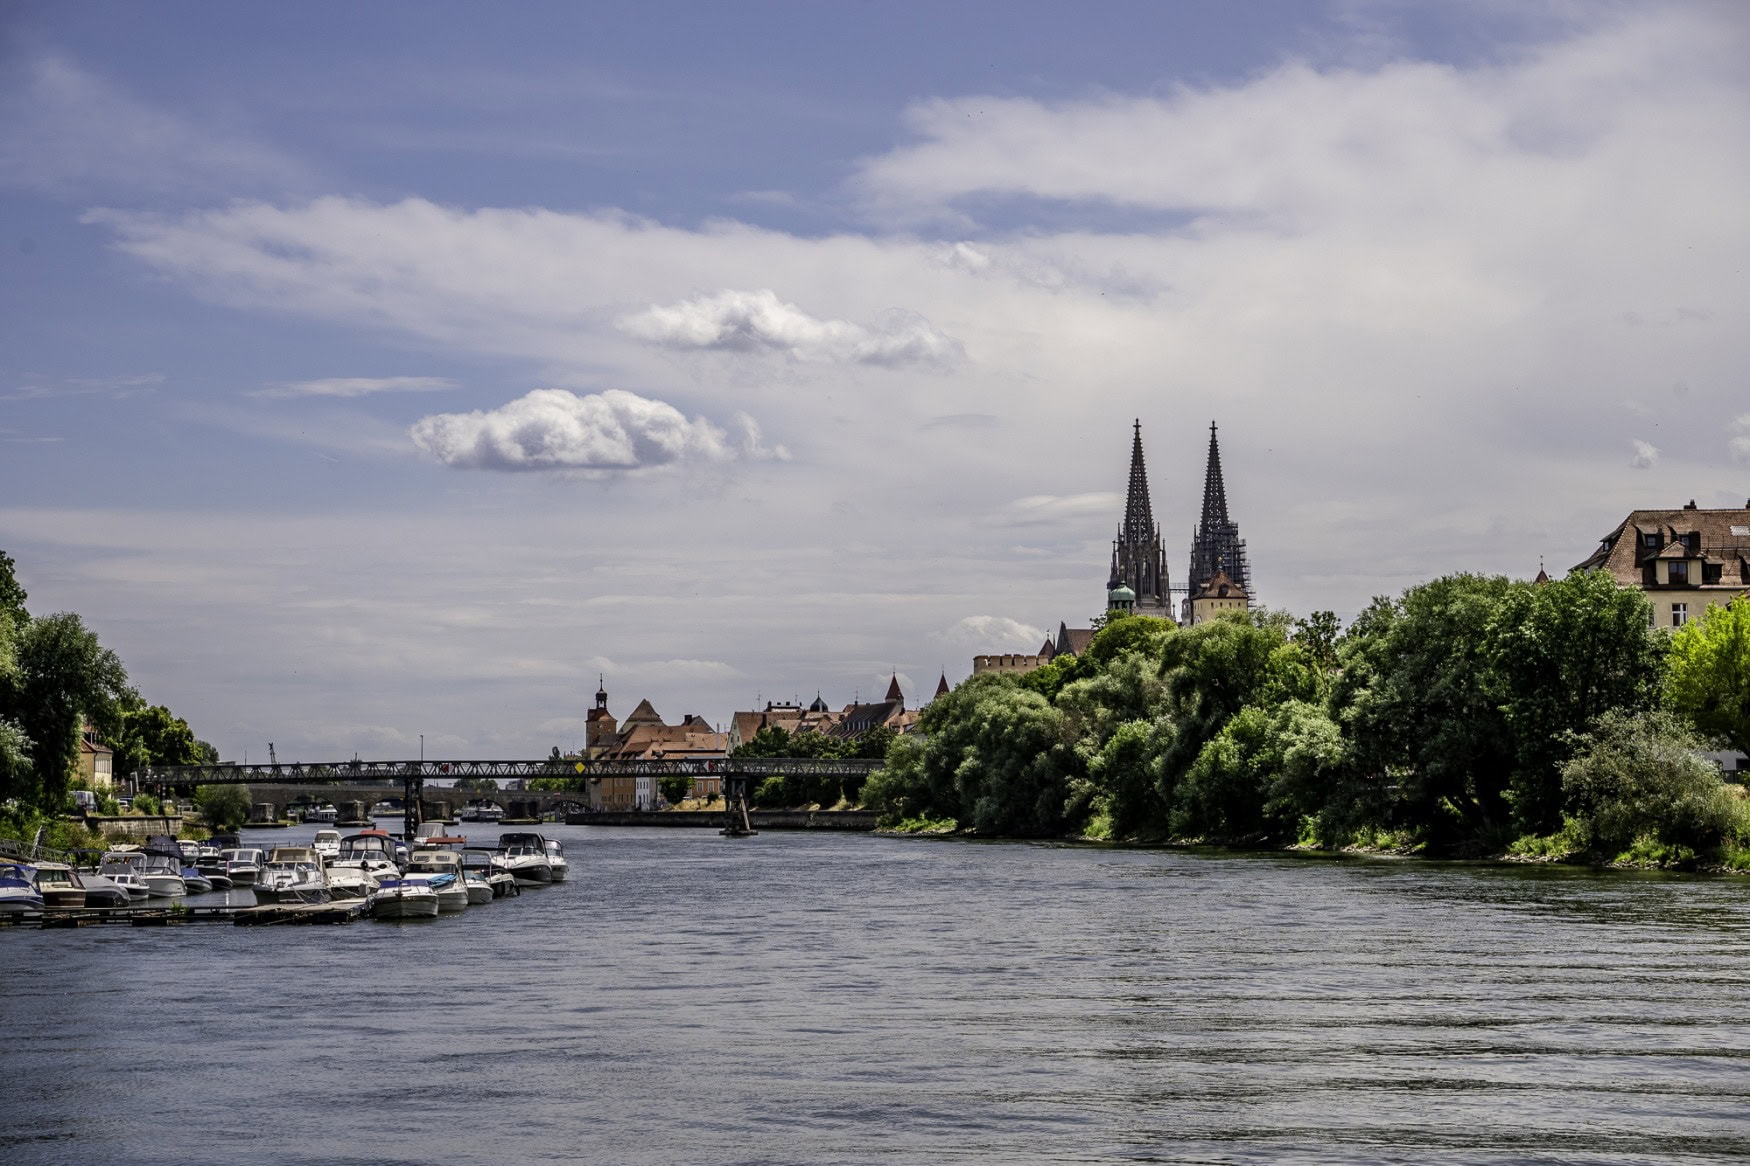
<point x="1691" y="505"/>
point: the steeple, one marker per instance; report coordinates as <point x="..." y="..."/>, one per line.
<point x="1138" y="562"/>
<point x="1216" y="545"/>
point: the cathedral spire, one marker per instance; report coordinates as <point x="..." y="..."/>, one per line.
<point x="1138" y="562"/>
<point x="1216" y="545"/>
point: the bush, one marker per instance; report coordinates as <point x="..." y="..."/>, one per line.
<point x="1638" y="784"/>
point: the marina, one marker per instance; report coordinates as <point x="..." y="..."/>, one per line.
<point x="328" y="879"/>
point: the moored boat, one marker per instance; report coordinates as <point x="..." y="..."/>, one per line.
<point x="490" y="866"/>
<point x="403" y="898"/>
<point x="370" y="852"/>
<point x="59" y="885"/>
<point x="122" y="867"/>
<point x="484" y="810"/>
<point x="18" y="889"/>
<point x="525" y="857"/>
<point x="293" y="874"/>
<point x="442" y="869"/>
<point x="480" y="889"/>
<point x="243" y="865"/>
<point x="321" y="812"/>
<point x="327" y="842"/>
<point x="103" y="891"/>
<point x="556" y="860"/>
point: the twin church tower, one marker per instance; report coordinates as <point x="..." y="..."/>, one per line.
<point x="1220" y="578"/>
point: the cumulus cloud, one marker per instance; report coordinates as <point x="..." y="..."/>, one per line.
<point x="758" y="321"/>
<point x="556" y="429"/>
<point x="986" y="634"/>
<point x="1646" y="455"/>
<point x="356" y="387"/>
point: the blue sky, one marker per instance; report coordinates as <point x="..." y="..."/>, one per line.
<point x="375" y="370"/>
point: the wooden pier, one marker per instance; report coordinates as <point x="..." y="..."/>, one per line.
<point x="265" y="915"/>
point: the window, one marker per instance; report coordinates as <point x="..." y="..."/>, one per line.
<point x="1650" y="541"/>
<point x="1677" y="571"/>
<point x="1679" y="614"/>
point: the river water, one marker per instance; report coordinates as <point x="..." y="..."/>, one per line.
<point x="819" y="999"/>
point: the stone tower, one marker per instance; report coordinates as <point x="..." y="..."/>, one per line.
<point x="1138" y="562"/>
<point x="599" y="726"/>
<point x="1216" y="545"/>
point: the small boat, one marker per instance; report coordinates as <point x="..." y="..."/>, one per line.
<point x="480" y="889"/>
<point x="59" y="885"/>
<point x="321" y="812"/>
<point x="196" y="882"/>
<point x="293" y="874"/>
<point x="103" y="891"/>
<point x="242" y="865"/>
<point x="210" y="862"/>
<point x="403" y="898"/>
<point x="120" y="869"/>
<point x="556" y="860"/>
<point x="383" y="810"/>
<point x="18" y="890"/>
<point x="161" y="865"/>
<point x="431" y="834"/>
<point x="484" y="810"/>
<point x="370" y="852"/>
<point x="346" y="881"/>
<point x="525" y="857"/>
<point x="442" y="869"/>
<point x="327" y="842"/>
<point x="490" y="866"/>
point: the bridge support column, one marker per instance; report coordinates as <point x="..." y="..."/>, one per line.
<point x="411" y="795"/>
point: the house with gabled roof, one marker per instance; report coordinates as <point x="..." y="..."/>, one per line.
<point x="1685" y="560"/>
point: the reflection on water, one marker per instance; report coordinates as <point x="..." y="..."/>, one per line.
<point x="797" y="998"/>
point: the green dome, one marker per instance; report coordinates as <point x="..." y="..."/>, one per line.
<point x="1120" y="594"/>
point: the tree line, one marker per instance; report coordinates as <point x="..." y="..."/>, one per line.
<point x="55" y="677"/>
<point x="1470" y="715"/>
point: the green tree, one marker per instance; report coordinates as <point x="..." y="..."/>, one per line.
<point x="1318" y="635"/>
<point x="63" y="677"/>
<point x="225" y="807"/>
<point x="1638" y="775"/>
<point x="12" y="594"/>
<point x="153" y="735"/>
<point x="479" y="785"/>
<point x="1562" y="654"/>
<point x="1709" y="677"/>
<point x="674" y="787"/>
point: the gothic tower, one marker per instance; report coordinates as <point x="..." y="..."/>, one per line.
<point x="599" y="725"/>
<point x="1138" y="562"/>
<point x="1216" y="545"/>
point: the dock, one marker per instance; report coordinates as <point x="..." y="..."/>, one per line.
<point x="264" y="915"/>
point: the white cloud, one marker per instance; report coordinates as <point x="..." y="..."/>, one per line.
<point x="64" y="129"/>
<point x="1087" y="510"/>
<point x="1740" y="445"/>
<point x="758" y="321"/>
<point x="1646" y="455"/>
<point x="987" y="634"/>
<point x="556" y="429"/>
<point x="356" y="387"/>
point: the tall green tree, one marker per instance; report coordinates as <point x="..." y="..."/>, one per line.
<point x="153" y="735"/>
<point x="12" y="594"/>
<point x="1562" y="654"/>
<point x="225" y="807"/>
<point x="1709" y="676"/>
<point x="63" y="677"/>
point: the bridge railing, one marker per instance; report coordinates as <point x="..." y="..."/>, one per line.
<point x="343" y="772"/>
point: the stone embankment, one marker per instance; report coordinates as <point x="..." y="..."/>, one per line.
<point x="858" y="820"/>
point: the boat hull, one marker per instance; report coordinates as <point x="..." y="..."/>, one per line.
<point x="393" y="906"/>
<point x="64" y="898"/>
<point x="165" y="886"/>
<point x="303" y="893"/>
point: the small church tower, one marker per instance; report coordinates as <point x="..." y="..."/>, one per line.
<point x="1139" y="564"/>
<point x="1216" y="547"/>
<point x="599" y="727"/>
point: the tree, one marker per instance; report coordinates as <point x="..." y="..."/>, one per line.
<point x="225" y="807"/>
<point x="674" y="787"/>
<point x="1562" y="654"/>
<point x="1709" y="676"/>
<point x="153" y="735"/>
<point x="63" y="677"/>
<point x="482" y="785"/>
<point x="12" y="594"/>
<point x="1638" y="775"/>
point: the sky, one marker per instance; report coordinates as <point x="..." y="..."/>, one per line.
<point x="371" y="372"/>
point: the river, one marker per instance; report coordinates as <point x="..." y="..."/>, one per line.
<point x="845" y="998"/>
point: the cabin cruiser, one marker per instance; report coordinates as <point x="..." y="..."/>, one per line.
<point x="489" y="865"/>
<point x="556" y="860"/>
<point x="349" y="882"/>
<point x="370" y="852"/>
<point x="158" y="873"/>
<point x="525" y="857"/>
<point x="103" y="891"/>
<point x="403" y="898"/>
<point x="164" y="853"/>
<point x="321" y="812"/>
<point x="293" y="874"/>
<point x="59" y="885"/>
<point x="242" y="865"/>
<point x="18" y="890"/>
<point x="210" y="862"/>
<point x="327" y="842"/>
<point x="482" y="811"/>
<point x="442" y="869"/>
<point x="430" y="835"/>
<point x="480" y="888"/>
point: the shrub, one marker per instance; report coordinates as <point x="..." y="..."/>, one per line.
<point x="1638" y="783"/>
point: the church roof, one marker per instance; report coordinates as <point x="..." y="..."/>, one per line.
<point x="1216" y="545"/>
<point x="1221" y="587"/>
<point x="893" y="692"/>
<point x="1073" y="641"/>
<point x="819" y="705"/>
<point x="942" y="685"/>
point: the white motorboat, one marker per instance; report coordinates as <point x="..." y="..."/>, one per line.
<point x="370" y="852"/>
<point x="482" y="811"/>
<point x="161" y="875"/>
<point x="525" y="857"/>
<point x="59" y="885"/>
<point x="489" y="865"/>
<point x="403" y="898"/>
<point x="327" y="842"/>
<point x="349" y="882"/>
<point x="18" y="890"/>
<point x="556" y="860"/>
<point x="443" y="870"/>
<point x="243" y="865"/>
<point x="119" y="867"/>
<point x="480" y="889"/>
<point x="211" y="865"/>
<point x="321" y="812"/>
<point x="293" y="874"/>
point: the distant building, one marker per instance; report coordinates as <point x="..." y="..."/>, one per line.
<point x="1216" y="545"/>
<point x="792" y="718"/>
<point x="96" y="761"/>
<point x="888" y="713"/>
<point x="1219" y="595"/>
<point x="1139" y="563"/>
<point x="645" y="736"/>
<point x="1684" y="560"/>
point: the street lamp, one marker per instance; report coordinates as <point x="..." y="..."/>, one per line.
<point x="422" y="748"/>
